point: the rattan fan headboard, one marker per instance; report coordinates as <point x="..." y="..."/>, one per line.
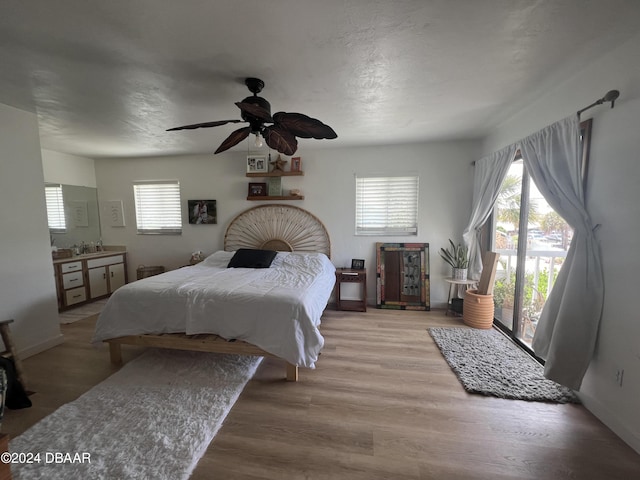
<point x="277" y="227"/>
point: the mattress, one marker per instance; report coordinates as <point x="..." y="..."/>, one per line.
<point x="277" y="309"/>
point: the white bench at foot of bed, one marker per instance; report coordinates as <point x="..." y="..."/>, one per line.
<point x="198" y="343"/>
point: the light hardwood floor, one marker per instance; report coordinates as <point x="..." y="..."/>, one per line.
<point x="382" y="404"/>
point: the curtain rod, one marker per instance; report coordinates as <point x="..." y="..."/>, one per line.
<point x="610" y="96"/>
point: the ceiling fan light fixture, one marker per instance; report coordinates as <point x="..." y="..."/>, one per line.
<point x="258" y="140"/>
<point x="280" y="135"/>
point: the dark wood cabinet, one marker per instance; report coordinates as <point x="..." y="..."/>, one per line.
<point x="402" y="276"/>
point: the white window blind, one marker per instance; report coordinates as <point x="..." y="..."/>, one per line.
<point x="158" y="207"/>
<point x="387" y="205"/>
<point x="55" y="208"/>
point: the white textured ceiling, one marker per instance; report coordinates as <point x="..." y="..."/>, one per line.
<point x="107" y="78"/>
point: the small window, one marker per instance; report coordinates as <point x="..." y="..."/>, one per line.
<point x="387" y="205"/>
<point x="158" y="207"/>
<point x="55" y="208"/>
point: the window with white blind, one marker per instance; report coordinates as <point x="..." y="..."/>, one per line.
<point x="55" y="208"/>
<point x="387" y="205"/>
<point x="158" y="207"/>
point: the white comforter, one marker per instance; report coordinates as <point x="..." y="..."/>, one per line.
<point x="277" y="309"/>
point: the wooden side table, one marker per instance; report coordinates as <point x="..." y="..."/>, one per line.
<point x="454" y="288"/>
<point x="5" y="468"/>
<point x="11" y="351"/>
<point x="347" y="275"/>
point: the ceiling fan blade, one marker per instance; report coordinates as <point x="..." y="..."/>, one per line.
<point x="303" y="126"/>
<point x="235" y="138"/>
<point x="280" y="139"/>
<point x="204" y="125"/>
<point x="255" y="111"/>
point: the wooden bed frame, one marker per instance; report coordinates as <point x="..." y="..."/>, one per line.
<point x="196" y="343"/>
<point x="269" y="227"/>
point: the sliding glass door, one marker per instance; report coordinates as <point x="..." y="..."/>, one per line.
<point x="532" y="240"/>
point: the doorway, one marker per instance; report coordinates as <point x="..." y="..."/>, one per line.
<point x="532" y="241"/>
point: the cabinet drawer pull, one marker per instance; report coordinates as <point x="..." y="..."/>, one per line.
<point x="76" y="296"/>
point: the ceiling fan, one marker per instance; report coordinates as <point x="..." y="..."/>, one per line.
<point x="280" y="136"/>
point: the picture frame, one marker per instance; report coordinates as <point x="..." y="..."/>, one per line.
<point x="257" y="164"/>
<point x="79" y="213"/>
<point x="114" y="213"/>
<point x="257" y="189"/>
<point x="357" y="264"/>
<point x="274" y="186"/>
<point x="202" y="212"/>
<point x="296" y="164"/>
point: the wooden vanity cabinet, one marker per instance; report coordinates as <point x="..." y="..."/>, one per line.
<point x="82" y="280"/>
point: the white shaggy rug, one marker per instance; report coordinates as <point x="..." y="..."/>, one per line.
<point x="153" y="419"/>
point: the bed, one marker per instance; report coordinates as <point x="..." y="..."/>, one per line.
<point x="271" y="311"/>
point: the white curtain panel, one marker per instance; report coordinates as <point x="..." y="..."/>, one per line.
<point x="567" y="330"/>
<point x="490" y="172"/>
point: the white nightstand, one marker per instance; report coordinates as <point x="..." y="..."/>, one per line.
<point x="454" y="289"/>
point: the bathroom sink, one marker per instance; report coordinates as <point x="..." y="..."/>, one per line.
<point x="85" y="255"/>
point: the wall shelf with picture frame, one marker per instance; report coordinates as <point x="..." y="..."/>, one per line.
<point x="277" y="173"/>
<point x="280" y="197"/>
<point x="258" y="167"/>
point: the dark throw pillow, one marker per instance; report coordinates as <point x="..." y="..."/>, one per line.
<point x="249" y="258"/>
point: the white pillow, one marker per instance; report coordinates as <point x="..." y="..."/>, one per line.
<point x="218" y="259"/>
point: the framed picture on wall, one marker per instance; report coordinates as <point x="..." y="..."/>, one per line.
<point x="114" y="213"/>
<point x="202" y="212"/>
<point x="258" y="189"/>
<point x="79" y="213"/>
<point x="257" y="164"/>
<point x="296" y="164"/>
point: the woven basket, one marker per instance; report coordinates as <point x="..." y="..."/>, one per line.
<point x="477" y="311"/>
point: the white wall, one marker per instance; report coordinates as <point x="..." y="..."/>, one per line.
<point x="68" y="169"/>
<point x="328" y="186"/>
<point x="27" y="288"/>
<point x="613" y="198"/>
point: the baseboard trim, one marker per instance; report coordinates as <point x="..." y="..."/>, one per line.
<point x="609" y="419"/>
<point x="41" y="347"/>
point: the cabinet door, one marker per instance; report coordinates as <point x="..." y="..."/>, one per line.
<point x="98" y="282"/>
<point x="116" y="276"/>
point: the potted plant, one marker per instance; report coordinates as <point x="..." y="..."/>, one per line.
<point x="458" y="257"/>
<point x="503" y="301"/>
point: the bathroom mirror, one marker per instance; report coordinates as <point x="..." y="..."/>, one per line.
<point x="80" y="221"/>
